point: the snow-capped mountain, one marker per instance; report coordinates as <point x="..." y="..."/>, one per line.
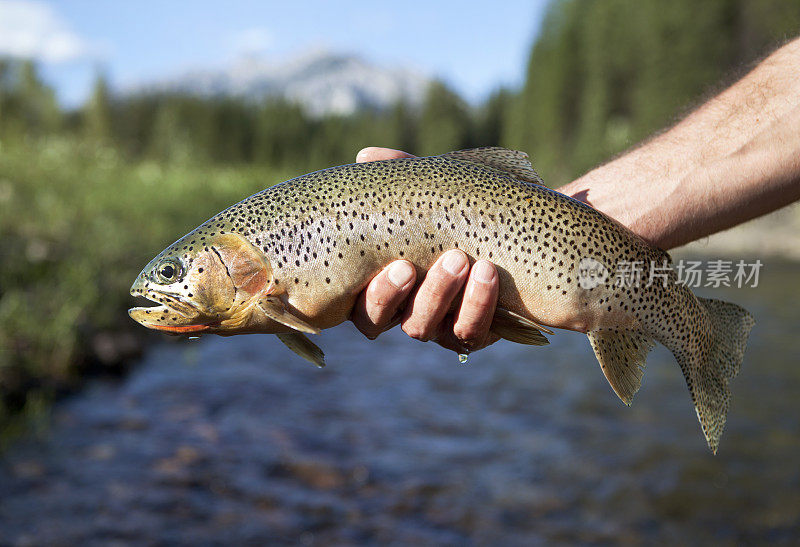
<point x="323" y="82"/>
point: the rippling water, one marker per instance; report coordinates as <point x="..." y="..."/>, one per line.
<point x="237" y="440"/>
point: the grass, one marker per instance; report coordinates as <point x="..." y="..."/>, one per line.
<point x="77" y="223"/>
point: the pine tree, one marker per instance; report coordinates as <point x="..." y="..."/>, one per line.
<point x="168" y="141"/>
<point x="492" y="118"/>
<point x="604" y="74"/>
<point x="445" y="123"/>
<point x="97" y="112"/>
<point x="403" y="127"/>
<point x="35" y="110"/>
<point x="282" y="133"/>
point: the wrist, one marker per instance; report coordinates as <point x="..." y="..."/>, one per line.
<point x="625" y="192"/>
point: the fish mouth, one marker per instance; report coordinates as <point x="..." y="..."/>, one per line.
<point x="172" y="313"/>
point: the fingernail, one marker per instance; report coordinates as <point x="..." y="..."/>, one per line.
<point x="482" y="271"/>
<point x="400" y="274"/>
<point x="362" y="154"/>
<point x="453" y="262"/>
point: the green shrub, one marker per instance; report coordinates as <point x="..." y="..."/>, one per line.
<point x="77" y="223"/>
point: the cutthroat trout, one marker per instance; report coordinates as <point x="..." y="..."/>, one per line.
<point x="292" y="259"/>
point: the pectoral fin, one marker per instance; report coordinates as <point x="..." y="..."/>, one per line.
<point x="302" y="346"/>
<point x="274" y="308"/>
<point x="511" y="326"/>
<point x="622" y="354"/>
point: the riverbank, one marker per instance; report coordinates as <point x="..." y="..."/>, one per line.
<point x="776" y="235"/>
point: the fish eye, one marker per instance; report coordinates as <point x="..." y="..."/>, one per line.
<point x="169" y="271"/>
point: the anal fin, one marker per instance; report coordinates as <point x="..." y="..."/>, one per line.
<point x="622" y="355"/>
<point x="515" y="328"/>
<point x="302" y="346"/>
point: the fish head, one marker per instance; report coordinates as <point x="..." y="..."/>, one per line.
<point x="204" y="285"/>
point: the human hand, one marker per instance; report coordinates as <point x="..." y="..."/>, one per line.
<point x="427" y="314"/>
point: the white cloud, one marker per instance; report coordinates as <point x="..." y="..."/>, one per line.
<point x="34" y="30"/>
<point x="252" y="41"/>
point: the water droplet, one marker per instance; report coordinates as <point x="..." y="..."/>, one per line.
<point x="462" y="358"/>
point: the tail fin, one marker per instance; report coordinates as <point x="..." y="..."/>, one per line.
<point x="708" y="368"/>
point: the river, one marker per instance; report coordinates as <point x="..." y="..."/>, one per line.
<point x="237" y="441"/>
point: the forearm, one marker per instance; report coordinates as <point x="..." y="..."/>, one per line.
<point x="734" y="158"/>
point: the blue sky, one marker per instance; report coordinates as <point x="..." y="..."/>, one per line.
<point x="475" y="46"/>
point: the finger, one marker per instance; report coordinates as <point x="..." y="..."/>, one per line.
<point x="377" y="305"/>
<point x="445" y="337"/>
<point x="435" y="294"/>
<point x="375" y="153"/>
<point x="448" y="340"/>
<point x="474" y="318"/>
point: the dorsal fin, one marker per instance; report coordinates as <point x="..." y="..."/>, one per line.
<point x="513" y="162"/>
